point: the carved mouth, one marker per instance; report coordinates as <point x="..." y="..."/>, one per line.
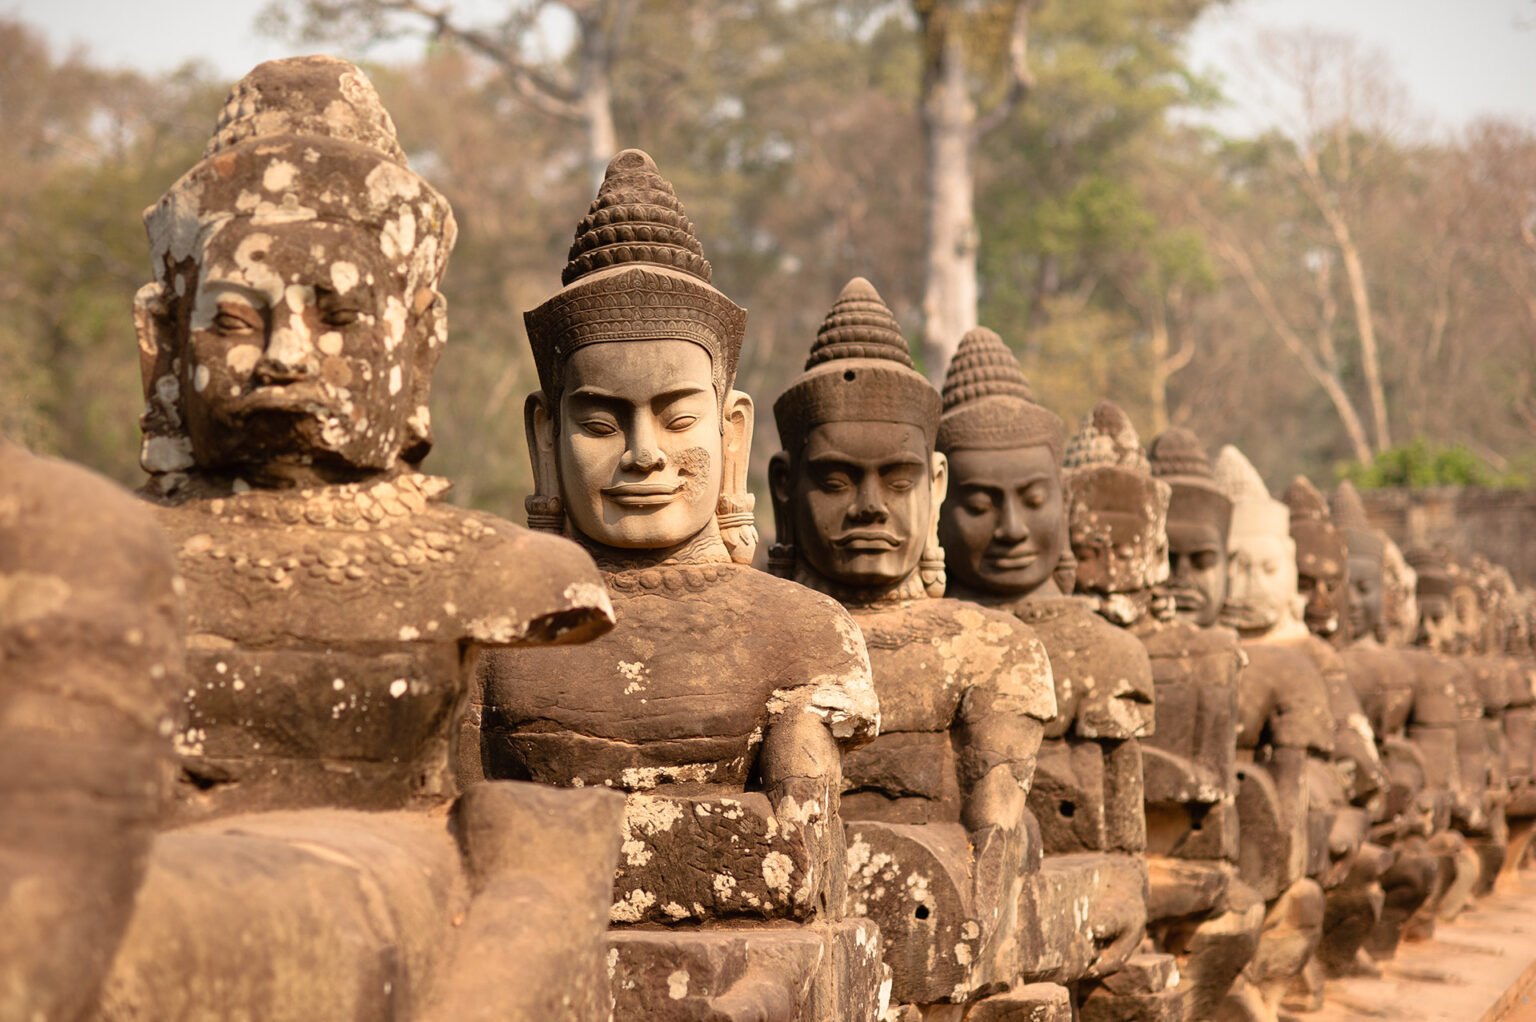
<point x="643" y="495"/>
<point x="1013" y="560"/>
<point x="288" y="397"/>
<point x="867" y="541"/>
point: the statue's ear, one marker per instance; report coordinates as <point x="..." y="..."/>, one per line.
<point x="430" y="317"/>
<point x="779" y="488"/>
<point x="938" y="470"/>
<point x="153" y="323"/>
<point x="735" y="506"/>
<point x="546" y="511"/>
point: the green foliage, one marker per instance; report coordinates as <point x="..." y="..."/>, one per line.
<point x="1421" y="465"/>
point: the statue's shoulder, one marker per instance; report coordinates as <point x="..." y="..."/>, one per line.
<point x="999" y="651"/>
<point x="82" y="537"/>
<point x="821" y="662"/>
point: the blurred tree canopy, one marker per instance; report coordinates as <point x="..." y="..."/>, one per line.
<point x="1249" y="288"/>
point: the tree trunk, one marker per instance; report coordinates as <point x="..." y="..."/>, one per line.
<point x="1365" y="325"/>
<point x="600" y="30"/>
<point x="949" y="116"/>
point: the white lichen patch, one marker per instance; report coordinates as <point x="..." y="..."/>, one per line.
<point x="242" y="358"/>
<point x="778" y="870"/>
<point x="632" y="907"/>
<point x="724" y="884"/>
<point x="279" y="175"/>
<point x="344" y="276"/>
<point x="398" y="687"/>
<point x="677" y="985"/>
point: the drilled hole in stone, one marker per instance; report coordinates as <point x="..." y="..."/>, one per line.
<point x="1067" y="808"/>
<point x="848" y="375"/>
<point x="922" y="912"/>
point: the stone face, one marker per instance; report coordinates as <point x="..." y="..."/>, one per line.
<point x="90" y="668"/>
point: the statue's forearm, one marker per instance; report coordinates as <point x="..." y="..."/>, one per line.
<point x="799" y="759"/>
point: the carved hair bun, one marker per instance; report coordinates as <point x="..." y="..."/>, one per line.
<point x="859" y="325"/>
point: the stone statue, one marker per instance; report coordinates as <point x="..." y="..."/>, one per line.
<point x="1285" y="738"/>
<point x="1353" y="793"/>
<point x="1198" y="909"/>
<point x="90" y="672"/>
<point x="1447" y="625"/>
<point x="1004" y="529"/>
<point x="1383" y="679"/>
<point x="964" y="691"/>
<point x="328" y="865"/>
<point x="722" y="702"/>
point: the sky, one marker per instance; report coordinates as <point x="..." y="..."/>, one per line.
<point x="1456" y="59"/>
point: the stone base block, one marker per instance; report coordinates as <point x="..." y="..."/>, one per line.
<point x="818" y="973"/>
<point x="1081" y="916"/>
<point x="1036" y="1002"/>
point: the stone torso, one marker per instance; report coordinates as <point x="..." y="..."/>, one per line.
<point x="928" y="657"/>
<point x="329" y="630"/>
<point x="703" y="659"/>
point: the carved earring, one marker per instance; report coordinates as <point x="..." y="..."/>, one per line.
<point x="738" y="525"/>
<point x="930" y="569"/>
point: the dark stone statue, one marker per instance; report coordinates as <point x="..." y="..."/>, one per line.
<point x="1005" y="527"/>
<point x="935" y="806"/>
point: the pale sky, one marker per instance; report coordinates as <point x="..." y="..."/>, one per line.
<point x="1457" y="59"/>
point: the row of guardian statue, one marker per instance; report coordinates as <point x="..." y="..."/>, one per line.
<point x="1006" y="723"/>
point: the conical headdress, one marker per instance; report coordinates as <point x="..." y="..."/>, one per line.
<point x="1349" y="518"/>
<point x="312" y="137"/>
<point x="1178" y="458"/>
<point x="1254" y="511"/>
<point x="988" y="404"/>
<point x="1106" y="439"/>
<point x="636" y="272"/>
<point x="859" y="370"/>
<point x="1320" y="550"/>
<point x="1106" y="470"/>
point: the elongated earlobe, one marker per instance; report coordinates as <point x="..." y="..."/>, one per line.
<point x="545" y="509"/>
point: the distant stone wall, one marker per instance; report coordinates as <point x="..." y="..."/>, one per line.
<point x="1499" y="524"/>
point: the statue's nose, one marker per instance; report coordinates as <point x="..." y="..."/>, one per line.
<point x="290" y="354"/>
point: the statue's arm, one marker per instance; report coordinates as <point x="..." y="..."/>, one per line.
<point x="800" y="762"/>
<point x="997" y="738"/>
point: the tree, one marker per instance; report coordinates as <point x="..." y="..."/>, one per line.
<point x="574" y="88"/>
<point x="959" y="39"/>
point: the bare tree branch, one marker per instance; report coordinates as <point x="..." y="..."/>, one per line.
<point x="1021" y="77"/>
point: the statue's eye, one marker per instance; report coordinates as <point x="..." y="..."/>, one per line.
<point x="231" y="323"/>
<point x="978" y="503"/>
<point x="833" y="482"/>
<point x="682" y="422"/>
<point x="341" y="317"/>
<point x="900" y="485"/>
<point x="599" y="427"/>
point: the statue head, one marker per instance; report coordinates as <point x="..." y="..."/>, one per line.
<point x="1003" y="526"/>
<point x="638" y="440"/>
<point x="1399" y="599"/>
<point x="1322" y="562"/>
<point x="1435" y="587"/>
<point x="857" y="484"/>
<point x="1367" y="563"/>
<point x="1261" y="556"/>
<point x="1199" y="523"/>
<point x="1117" y="515"/>
<point x="295" y="319"/>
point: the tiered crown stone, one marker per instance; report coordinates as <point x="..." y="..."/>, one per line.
<point x="1350" y="519"/>
<point x="636" y="272"/>
<point x="859" y="370"/>
<point x="1106" y="439"/>
<point x="1253" y="509"/>
<point x="989" y="405"/>
<point x="1178" y="458"/>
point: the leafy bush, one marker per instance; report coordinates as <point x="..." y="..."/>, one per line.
<point x="1421" y="465"/>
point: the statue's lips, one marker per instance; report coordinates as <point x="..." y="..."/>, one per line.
<point x="292" y="397"/>
<point x="640" y="495"/>
<point x="1013" y="560"/>
<point x="867" y="541"/>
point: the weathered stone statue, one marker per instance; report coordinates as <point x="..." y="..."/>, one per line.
<point x="1198" y="908"/>
<point x="90" y="671"/>
<point x="1447" y="620"/>
<point x="964" y="691"/>
<point x="1352" y="793"/>
<point x="335" y="607"/>
<point x="1004" y="527"/>
<point x="1383" y="679"/>
<point x="721" y="703"/>
<point x="1285" y="737"/>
